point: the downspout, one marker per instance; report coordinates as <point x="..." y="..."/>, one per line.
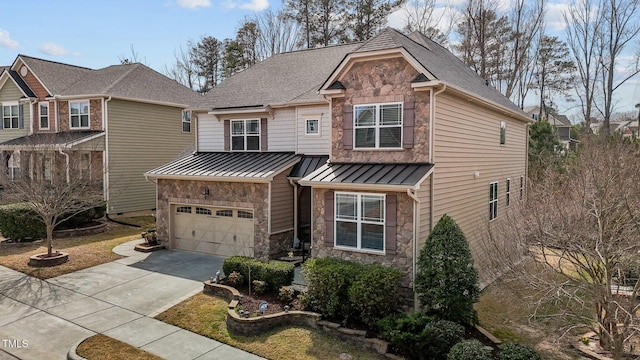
<point x="105" y="153"/>
<point x="432" y="122"/>
<point x="416" y="202"/>
<point x="55" y="106"/>
<point x="295" y="208"/>
<point x="67" y="162"/>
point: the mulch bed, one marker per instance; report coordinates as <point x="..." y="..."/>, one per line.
<point x="252" y="303"/>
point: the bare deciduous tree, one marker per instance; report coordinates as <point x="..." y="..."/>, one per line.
<point x="423" y="16"/>
<point x="580" y="236"/>
<point x="183" y="69"/>
<point x="277" y="34"/>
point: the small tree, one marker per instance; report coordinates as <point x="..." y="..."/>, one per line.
<point x="544" y="144"/>
<point x="446" y="281"/>
<point x="55" y="183"/>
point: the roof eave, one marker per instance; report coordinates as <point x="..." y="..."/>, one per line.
<point x="93" y="96"/>
<point x="358" y="186"/>
<point x="242" y="179"/>
<point x="240" y="110"/>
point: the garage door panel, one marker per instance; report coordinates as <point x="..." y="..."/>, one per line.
<point x="199" y="229"/>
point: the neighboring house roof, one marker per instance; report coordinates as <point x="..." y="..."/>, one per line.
<point x="358" y="174"/>
<point x="64" y="139"/>
<point x="563" y="119"/>
<point x="307" y="165"/>
<point x="287" y="77"/>
<point x="227" y="166"/>
<point x="130" y="81"/>
<point x="18" y="81"/>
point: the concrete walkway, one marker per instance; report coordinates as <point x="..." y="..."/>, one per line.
<point x="43" y="319"/>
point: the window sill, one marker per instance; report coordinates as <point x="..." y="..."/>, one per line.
<point x="379" y="149"/>
<point x="362" y="251"/>
<point x="80" y="128"/>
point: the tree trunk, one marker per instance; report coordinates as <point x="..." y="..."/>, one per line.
<point x="49" y="240"/>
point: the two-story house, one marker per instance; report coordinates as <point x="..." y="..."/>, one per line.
<point x="106" y="126"/>
<point x="360" y="148"/>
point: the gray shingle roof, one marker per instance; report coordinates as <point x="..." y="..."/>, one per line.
<point x="60" y="138"/>
<point x="227" y="165"/>
<point x="133" y="81"/>
<point x="287" y="77"/>
<point x="404" y="175"/>
<point x="25" y="88"/>
<point x="438" y="61"/>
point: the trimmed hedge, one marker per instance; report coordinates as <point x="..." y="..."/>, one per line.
<point x="417" y="335"/>
<point x="469" y="350"/>
<point x="275" y="273"/>
<point x="19" y="223"/>
<point x="342" y="289"/>
<point x="516" y="351"/>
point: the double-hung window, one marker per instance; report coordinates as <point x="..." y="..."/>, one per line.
<point x="493" y="200"/>
<point x="245" y="135"/>
<point x="186" y="121"/>
<point x="378" y="126"/>
<point x="10" y="116"/>
<point x="79" y="114"/>
<point x="43" y="111"/>
<point x="359" y="221"/>
<point x="508" y="192"/>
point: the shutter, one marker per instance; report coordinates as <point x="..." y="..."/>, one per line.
<point x="263" y="134"/>
<point x="328" y="218"/>
<point x="21" y="116"/>
<point x="1" y="117"/>
<point x="390" y="223"/>
<point x="407" y="124"/>
<point x="227" y="135"/>
<point x="347" y="127"/>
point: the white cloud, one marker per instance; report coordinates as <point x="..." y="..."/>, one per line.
<point x="7" y="41"/>
<point x="554" y="16"/>
<point x="255" y="5"/>
<point x="54" y="49"/>
<point x="192" y="4"/>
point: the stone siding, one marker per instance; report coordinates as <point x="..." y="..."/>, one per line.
<point x="221" y="194"/>
<point x="380" y="81"/>
<point x="280" y="244"/>
<point x="95" y="115"/>
<point x="402" y="259"/>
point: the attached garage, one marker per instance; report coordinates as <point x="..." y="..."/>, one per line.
<point x="213" y="230"/>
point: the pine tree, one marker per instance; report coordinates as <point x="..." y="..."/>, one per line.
<point x="446" y="281"/>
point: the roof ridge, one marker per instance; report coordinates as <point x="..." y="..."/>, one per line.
<point x="116" y="81"/>
<point x="54" y="62"/>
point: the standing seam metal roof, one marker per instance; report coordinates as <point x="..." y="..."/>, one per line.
<point x="307" y="165"/>
<point x="399" y="174"/>
<point x="254" y="165"/>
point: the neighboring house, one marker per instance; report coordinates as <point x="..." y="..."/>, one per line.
<point x="560" y="123"/>
<point x="627" y="128"/>
<point x="410" y="134"/>
<point x="113" y="123"/>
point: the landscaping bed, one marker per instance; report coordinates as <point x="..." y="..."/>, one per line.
<point x="103" y="347"/>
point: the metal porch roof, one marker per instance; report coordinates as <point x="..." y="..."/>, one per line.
<point x="307" y="165"/>
<point x="377" y="174"/>
<point x="227" y="165"/>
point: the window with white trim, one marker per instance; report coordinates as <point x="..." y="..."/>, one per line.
<point x="493" y="200"/>
<point x="10" y="116"/>
<point x="503" y="132"/>
<point x="186" y="121"/>
<point x="79" y="114"/>
<point x="359" y="221"/>
<point x="312" y="127"/>
<point x="245" y="135"/>
<point x="43" y="113"/>
<point x="14" y="165"/>
<point x="508" y="192"/>
<point x="377" y="126"/>
<point x="521" y="187"/>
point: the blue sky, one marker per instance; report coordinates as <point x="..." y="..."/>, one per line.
<point x="97" y="34"/>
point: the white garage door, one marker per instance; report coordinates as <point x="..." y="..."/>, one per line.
<point x="217" y="231"/>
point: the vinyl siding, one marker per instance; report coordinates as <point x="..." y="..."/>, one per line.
<point x="281" y="203"/>
<point x="140" y="137"/>
<point x="424" y="210"/>
<point x="210" y="133"/>
<point x="281" y="130"/>
<point x="314" y="144"/>
<point x="467" y="139"/>
<point x="11" y="93"/>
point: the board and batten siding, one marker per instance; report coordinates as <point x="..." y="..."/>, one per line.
<point x="140" y="137"/>
<point x="11" y="93"/>
<point x="466" y="141"/>
<point x="281" y="203"/>
<point x="314" y="144"/>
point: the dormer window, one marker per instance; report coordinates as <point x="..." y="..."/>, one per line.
<point x="378" y="126"/>
<point x="79" y="114"/>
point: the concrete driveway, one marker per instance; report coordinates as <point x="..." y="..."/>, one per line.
<point x="44" y="319"/>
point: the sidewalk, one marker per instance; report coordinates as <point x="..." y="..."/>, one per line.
<point x="45" y="319"/>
